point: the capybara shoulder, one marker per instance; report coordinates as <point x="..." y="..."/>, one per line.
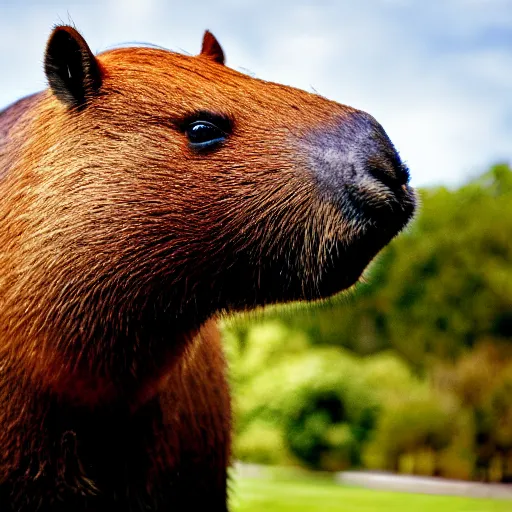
<point x="143" y="194"/>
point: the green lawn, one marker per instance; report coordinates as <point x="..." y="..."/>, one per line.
<point x="320" y="495"/>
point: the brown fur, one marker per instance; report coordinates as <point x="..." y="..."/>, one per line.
<point x="118" y="247"/>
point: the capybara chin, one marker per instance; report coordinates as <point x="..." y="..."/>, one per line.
<point x="143" y="193"/>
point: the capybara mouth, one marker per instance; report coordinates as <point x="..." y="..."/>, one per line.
<point x="346" y="265"/>
<point x="373" y="217"/>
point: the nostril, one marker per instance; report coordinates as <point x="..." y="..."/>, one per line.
<point x="391" y="172"/>
<point x="383" y="161"/>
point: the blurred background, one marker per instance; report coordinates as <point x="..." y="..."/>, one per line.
<point x="411" y="371"/>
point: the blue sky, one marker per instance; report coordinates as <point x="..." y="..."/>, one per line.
<point x="437" y="74"/>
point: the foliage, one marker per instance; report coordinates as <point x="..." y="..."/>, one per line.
<point x="482" y="379"/>
<point x="315" y="398"/>
<point x="418" y="424"/>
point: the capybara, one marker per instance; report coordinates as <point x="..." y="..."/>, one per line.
<point x="143" y="194"/>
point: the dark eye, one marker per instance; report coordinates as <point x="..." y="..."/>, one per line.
<point x="203" y="134"/>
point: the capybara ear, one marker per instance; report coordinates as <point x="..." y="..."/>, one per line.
<point x="72" y="70"/>
<point x="211" y="48"/>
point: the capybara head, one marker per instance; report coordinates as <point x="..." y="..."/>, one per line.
<point x="158" y="189"/>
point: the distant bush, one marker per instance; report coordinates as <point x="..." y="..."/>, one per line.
<point x="482" y="379"/>
<point x="316" y="398"/>
<point x="330" y="414"/>
<point x="262" y="443"/>
<point x="419" y="427"/>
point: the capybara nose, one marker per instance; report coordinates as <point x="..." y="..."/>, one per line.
<point x="354" y="156"/>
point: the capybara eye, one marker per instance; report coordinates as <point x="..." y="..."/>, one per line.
<point x="204" y="134"/>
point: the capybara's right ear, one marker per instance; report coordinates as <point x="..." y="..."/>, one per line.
<point x="72" y="70"/>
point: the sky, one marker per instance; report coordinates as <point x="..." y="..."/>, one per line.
<point x="437" y="74"/>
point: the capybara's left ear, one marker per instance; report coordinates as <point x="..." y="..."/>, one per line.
<point x="72" y="70"/>
<point x="211" y="48"/>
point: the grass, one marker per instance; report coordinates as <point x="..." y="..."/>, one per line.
<point x="313" y="494"/>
